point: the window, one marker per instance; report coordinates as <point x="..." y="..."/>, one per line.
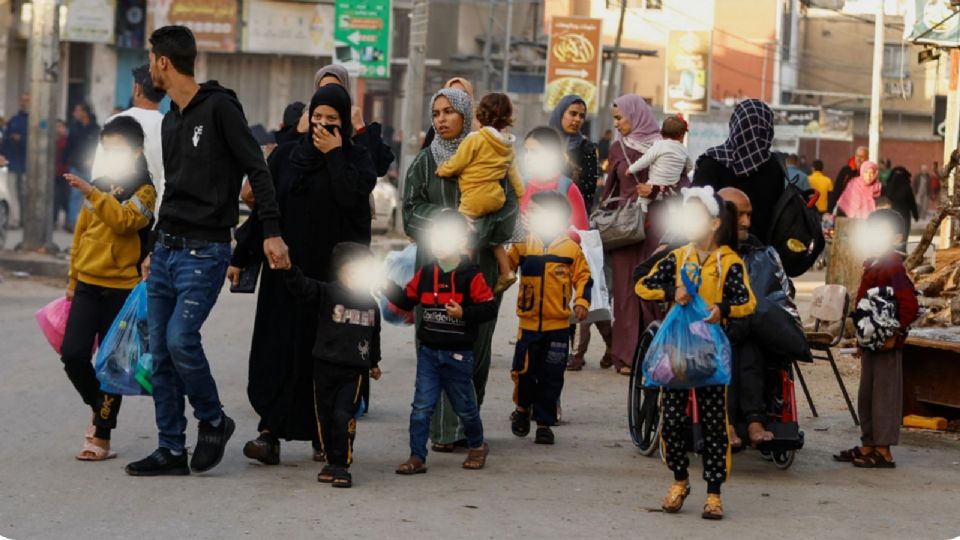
<point x="895" y="61"/>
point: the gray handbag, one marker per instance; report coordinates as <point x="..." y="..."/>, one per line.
<point x="621" y="225"/>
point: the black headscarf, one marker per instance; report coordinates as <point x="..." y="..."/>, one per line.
<point x="306" y="156"/>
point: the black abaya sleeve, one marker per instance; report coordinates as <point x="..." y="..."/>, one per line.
<point x="352" y="177"/>
<point x="372" y="139"/>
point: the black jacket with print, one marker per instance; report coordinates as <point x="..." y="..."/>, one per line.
<point x="348" y="327"/>
<point x="207" y="150"/>
<point x="431" y="288"/>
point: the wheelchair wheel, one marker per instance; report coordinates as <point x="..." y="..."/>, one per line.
<point x="783" y="459"/>
<point x="644" y="410"/>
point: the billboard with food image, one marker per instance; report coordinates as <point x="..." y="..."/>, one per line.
<point x="573" y="61"/>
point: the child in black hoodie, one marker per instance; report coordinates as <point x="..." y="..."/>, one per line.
<point x="346" y="350"/>
<point x="455" y="300"/>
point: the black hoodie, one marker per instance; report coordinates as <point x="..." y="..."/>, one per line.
<point x="207" y="149"/>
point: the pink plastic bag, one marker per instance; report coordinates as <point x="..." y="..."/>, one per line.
<point x="52" y="319"/>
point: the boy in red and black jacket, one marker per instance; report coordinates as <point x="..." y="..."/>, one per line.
<point x="455" y="300"/>
<point x="880" y="398"/>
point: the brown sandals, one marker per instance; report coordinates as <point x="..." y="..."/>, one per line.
<point x="477" y="457"/>
<point x="412" y="466"/>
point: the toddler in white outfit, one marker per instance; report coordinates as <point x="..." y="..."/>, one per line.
<point x="667" y="160"/>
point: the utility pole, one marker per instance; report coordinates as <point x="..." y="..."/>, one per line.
<point x="43" y="52"/>
<point x="413" y="91"/>
<point x="951" y="140"/>
<point x="876" y="86"/>
<point x="605" y="113"/>
<point x="488" y="50"/>
<point x="506" y="47"/>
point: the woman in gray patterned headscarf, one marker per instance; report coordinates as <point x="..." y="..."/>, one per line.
<point x="444" y="145"/>
<point x="424" y="195"/>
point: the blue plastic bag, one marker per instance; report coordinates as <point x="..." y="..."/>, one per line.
<point x="688" y="352"/>
<point x="124" y="365"/>
<point x="399" y="267"/>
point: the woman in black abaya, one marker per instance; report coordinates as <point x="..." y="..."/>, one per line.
<point x="321" y="182"/>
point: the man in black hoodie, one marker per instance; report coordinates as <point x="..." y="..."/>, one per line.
<point x="207" y="149"/>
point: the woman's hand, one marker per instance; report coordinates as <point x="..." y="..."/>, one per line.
<point x="78" y="184"/>
<point x="715" y="315"/>
<point x="644" y="190"/>
<point x="356" y="118"/>
<point x="325" y="141"/>
<point x="233" y="275"/>
<point x="682" y="297"/>
<point x="375" y="373"/>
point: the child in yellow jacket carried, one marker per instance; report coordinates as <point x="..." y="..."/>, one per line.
<point x="104" y="267"/>
<point x="481" y="162"/>
<point x="711" y="228"/>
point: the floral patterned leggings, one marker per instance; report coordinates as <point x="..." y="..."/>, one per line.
<point x="711" y="401"/>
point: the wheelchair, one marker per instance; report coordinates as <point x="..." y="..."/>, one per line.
<point x="645" y="413"/>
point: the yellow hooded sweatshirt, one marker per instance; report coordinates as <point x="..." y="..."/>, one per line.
<point x="482" y="160"/>
<point x="550" y="275"/>
<point x="723" y="274"/>
<point x="106" y="241"/>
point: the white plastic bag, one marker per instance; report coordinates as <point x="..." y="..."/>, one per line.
<point x="592" y="249"/>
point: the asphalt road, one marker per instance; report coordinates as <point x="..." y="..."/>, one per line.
<point x="592" y="484"/>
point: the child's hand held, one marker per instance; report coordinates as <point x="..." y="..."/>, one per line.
<point x="375" y="373"/>
<point x="715" y="315"/>
<point x="454" y="309"/>
<point x="682" y="297"/>
<point x="580" y="312"/>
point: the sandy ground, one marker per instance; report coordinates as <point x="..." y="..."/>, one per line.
<point x="592" y="484"/>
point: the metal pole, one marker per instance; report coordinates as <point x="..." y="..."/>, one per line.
<point x="506" y="48"/>
<point x="488" y="49"/>
<point x="763" y="72"/>
<point x="876" y="86"/>
<point x="605" y="113"/>
<point x="412" y="120"/>
<point x="43" y="52"/>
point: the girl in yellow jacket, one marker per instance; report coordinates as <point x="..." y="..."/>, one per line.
<point x="104" y="267"/>
<point x="481" y="162"/>
<point x="711" y="227"/>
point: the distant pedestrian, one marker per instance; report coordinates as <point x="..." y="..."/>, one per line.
<point x="345" y="352"/>
<point x="81" y="149"/>
<point x="603" y="146"/>
<point x="902" y="200"/>
<point x="582" y="157"/>
<point x="207" y="149"/>
<point x="455" y="300"/>
<point x="859" y="198"/>
<point x="61" y="190"/>
<point x="104" y="268"/>
<point x="822" y="184"/>
<point x="848" y="172"/>
<point x="795" y="174"/>
<point x="880" y="398"/>
<point x="15" y="152"/>
<point x="885" y="171"/>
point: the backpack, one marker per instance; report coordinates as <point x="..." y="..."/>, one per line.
<point x="795" y="231"/>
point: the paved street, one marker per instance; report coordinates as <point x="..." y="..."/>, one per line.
<point x="592" y="484"/>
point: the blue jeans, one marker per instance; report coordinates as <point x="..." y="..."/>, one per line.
<point x="75" y="200"/>
<point x="452" y="372"/>
<point x="182" y="288"/>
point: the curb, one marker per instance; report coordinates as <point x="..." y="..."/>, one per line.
<point x="33" y="264"/>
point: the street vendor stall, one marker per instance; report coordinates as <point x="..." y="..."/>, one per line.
<point x="931" y="372"/>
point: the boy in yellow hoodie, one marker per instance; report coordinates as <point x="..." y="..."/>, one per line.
<point x="104" y="267"/>
<point x="553" y="271"/>
<point x="481" y="162"/>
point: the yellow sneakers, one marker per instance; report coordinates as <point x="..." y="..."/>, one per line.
<point x="673" y="502"/>
<point x="713" y="509"/>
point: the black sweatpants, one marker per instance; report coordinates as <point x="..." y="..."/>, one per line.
<point x="336" y="394"/>
<point x="91" y="314"/>
<point x="539" y="363"/>
<point x="711" y="402"/>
